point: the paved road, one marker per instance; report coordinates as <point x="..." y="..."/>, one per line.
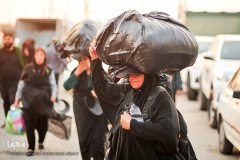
<point x="203" y="138"/>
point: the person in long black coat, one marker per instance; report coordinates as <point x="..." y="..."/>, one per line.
<point x="149" y="140"/>
<point x="91" y="128"/>
<point x="37" y="90"/>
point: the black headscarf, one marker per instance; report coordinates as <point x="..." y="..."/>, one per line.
<point x="140" y="95"/>
<point x="39" y="78"/>
<point x="39" y="68"/>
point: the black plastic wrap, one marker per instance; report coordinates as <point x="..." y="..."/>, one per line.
<point x="79" y="39"/>
<point x="152" y="43"/>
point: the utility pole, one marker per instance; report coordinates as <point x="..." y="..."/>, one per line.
<point x="86" y="8"/>
<point x="182" y="10"/>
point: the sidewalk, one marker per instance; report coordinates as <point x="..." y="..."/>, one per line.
<point x="54" y="148"/>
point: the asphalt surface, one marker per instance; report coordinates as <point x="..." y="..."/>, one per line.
<point x="204" y="139"/>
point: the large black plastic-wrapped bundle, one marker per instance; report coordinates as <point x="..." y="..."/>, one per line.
<point x="152" y="43"/>
<point x="79" y="39"/>
<point x="37" y="100"/>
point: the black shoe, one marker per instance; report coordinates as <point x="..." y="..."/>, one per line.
<point x="30" y="153"/>
<point x="40" y="146"/>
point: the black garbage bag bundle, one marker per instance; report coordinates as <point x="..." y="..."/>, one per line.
<point x="60" y="125"/>
<point x="152" y="43"/>
<point x="79" y="39"/>
<point x="36" y="98"/>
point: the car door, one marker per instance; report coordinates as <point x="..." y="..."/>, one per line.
<point x="235" y="107"/>
<point x="225" y="103"/>
<point x="207" y="67"/>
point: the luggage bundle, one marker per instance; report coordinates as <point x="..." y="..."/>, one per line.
<point x="152" y="43"/>
<point x="79" y="39"/>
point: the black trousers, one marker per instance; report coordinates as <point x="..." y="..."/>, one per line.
<point x="91" y="131"/>
<point x="8" y="96"/>
<point x="33" y="122"/>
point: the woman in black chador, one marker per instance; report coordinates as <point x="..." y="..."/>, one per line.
<point x="144" y="117"/>
<point x="28" y="50"/>
<point x="37" y="90"/>
<point x="91" y="127"/>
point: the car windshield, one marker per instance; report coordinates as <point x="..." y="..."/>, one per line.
<point x="231" y="50"/>
<point x="203" y="46"/>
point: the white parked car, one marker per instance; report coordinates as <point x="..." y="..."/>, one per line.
<point x="217" y="67"/>
<point x="229" y="115"/>
<point x="190" y="75"/>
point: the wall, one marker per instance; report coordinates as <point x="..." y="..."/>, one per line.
<point x="213" y="23"/>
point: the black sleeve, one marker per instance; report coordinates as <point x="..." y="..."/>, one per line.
<point x="110" y="95"/>
<point x="25" y="71"/>
<point x="108" y="92"/>
<point x="164" y="126"/>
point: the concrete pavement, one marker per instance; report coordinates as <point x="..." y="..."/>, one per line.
<point x="55" y="148"/>
<point x="204" y="139"/>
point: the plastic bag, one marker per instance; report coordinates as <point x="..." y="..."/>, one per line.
<point x="60" y="127"/>
<point x="152" y="42"/>
<point x="79" y="39"/>
<point x="14" y="122"/>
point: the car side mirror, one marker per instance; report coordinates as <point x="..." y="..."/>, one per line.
<point x="208" y="55"/>
<point x="236" y="94"/>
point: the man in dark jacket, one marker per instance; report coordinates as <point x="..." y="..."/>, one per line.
<point x="11" y="65"/>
